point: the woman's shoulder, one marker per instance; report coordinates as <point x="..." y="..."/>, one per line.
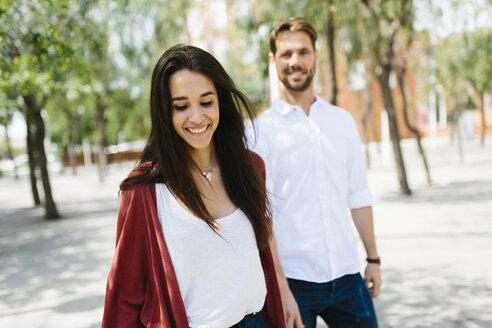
<point x="141" y="169"/>
<point x="260" y="164"/>
<point x="139" y="178"/>
<point x="257" y="159"/>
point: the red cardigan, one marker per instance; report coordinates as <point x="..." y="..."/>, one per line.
<point x="142" y="289"/>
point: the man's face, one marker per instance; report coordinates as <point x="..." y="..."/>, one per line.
<point x="295" y="60"/>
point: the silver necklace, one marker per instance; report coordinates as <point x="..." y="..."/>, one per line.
<point x="208" y="174"/>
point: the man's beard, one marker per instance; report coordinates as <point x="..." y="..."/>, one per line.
<point x="303" y="86"/>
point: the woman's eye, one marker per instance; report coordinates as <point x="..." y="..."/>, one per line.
<point x="180" y="107"/>
<point x="207" y="103"/>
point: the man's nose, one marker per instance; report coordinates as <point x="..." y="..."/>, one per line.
<point x="295" y="60"/>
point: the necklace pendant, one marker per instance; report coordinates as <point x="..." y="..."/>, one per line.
<point x="207" y="175"/>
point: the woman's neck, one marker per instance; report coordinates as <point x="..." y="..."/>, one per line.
<point x="206" y="158"/>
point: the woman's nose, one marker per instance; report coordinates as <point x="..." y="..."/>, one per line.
<point x="196" y="115"/>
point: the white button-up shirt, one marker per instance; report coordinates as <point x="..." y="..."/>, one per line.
<point x="316" y="172"/>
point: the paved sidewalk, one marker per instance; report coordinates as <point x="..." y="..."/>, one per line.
<point x="436" y="245"/>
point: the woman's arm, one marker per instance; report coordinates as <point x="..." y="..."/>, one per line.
<point x="125" y="290"/>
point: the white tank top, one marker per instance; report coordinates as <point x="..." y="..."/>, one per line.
<point x="220" y="277"/>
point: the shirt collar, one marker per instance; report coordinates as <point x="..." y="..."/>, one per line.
<point x="283" y="107"/>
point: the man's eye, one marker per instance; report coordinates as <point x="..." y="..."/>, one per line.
<point x="180" y="107"/>
<point x="207" y="103"/>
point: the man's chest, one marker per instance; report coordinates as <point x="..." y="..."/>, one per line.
<point x="299" y="144"/>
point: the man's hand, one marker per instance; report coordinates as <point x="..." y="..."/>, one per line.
<point x="373" y="279"/>
<point x="291" y="310"/>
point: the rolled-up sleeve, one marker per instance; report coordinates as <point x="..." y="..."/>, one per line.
<point x="359" y="194"/>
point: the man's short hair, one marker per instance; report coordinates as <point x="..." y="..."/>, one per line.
<point x="292" y="24"/>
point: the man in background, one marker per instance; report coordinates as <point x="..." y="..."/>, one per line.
<point x="316" y="175"/>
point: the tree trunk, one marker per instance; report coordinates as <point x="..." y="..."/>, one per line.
<point x="371" y="123"/>
<point x="64" y="158"/>
<point x="101" y="129"/>
<point x="484" y="122"/>
<point x="401" y="82"/>
<point x="458" y="109"/>
<point x="32" y="157"/>
<point x="38" y="141"/>
<point x="383" y="79"/>
<point x="330" y="40"/>
<point x="74" y="139"/>
<point x="73" y="158"/>
<point x="365" y="119"/>
<point x="10" y="153"/>
<point x="363" y="125"/>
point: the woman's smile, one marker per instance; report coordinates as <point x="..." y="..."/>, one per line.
<point x="198" y="130"/>
<point x="195" y="108"/>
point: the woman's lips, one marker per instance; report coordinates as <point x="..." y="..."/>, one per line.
<point x="198" y="130"/>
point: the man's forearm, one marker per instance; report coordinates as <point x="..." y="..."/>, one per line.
<point x="363" y="221"/>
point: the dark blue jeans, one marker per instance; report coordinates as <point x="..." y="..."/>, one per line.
<point x="343" y="302"/>
<point x="250" y="321"/>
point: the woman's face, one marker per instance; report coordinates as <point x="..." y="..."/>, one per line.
<point x="195" y="107"/>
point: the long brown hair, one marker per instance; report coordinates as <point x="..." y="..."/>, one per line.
<point x="170" y="155"/>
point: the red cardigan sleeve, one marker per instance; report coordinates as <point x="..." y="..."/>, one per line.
<point x="272" y="312"/>
<point x="126" y="286"/>
<point x="142" y="289"/>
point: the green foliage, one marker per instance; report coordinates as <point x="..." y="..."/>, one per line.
<point x="464" y="62"/>
<point x="69" y="51"/>
<point x="29" y="46"/>
<point x="477" y="59"/>
<point x="351" y="22"/>
<point x="74" y="52"/>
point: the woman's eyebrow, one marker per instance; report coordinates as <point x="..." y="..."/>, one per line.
<point x="207" y="94"/>
<point x="184" y="98"/>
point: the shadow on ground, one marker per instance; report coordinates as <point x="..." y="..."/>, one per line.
<point x="43" y="260"/>
<point x="452" y="193"/>
<point x="432" y="298"/>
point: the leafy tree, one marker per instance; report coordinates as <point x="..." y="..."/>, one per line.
<point x="355" y="45"/>
<point x="7" y="109"/>
<point x="401" y="74"/>
<point x="88" y="64"/>
<point x="32" y="42"/>
<point x="476" y="61"/>
<point x="450" y="73"/>
<point x="387" y="19"/>
<point x="468" y="57"/>
<point x="330" y="29"/>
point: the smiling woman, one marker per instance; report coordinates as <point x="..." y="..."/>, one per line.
<point x="195" y="109"/>
<point x="192" y="246"/>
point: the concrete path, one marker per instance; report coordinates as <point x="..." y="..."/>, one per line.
<point x="436" y="246"/>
